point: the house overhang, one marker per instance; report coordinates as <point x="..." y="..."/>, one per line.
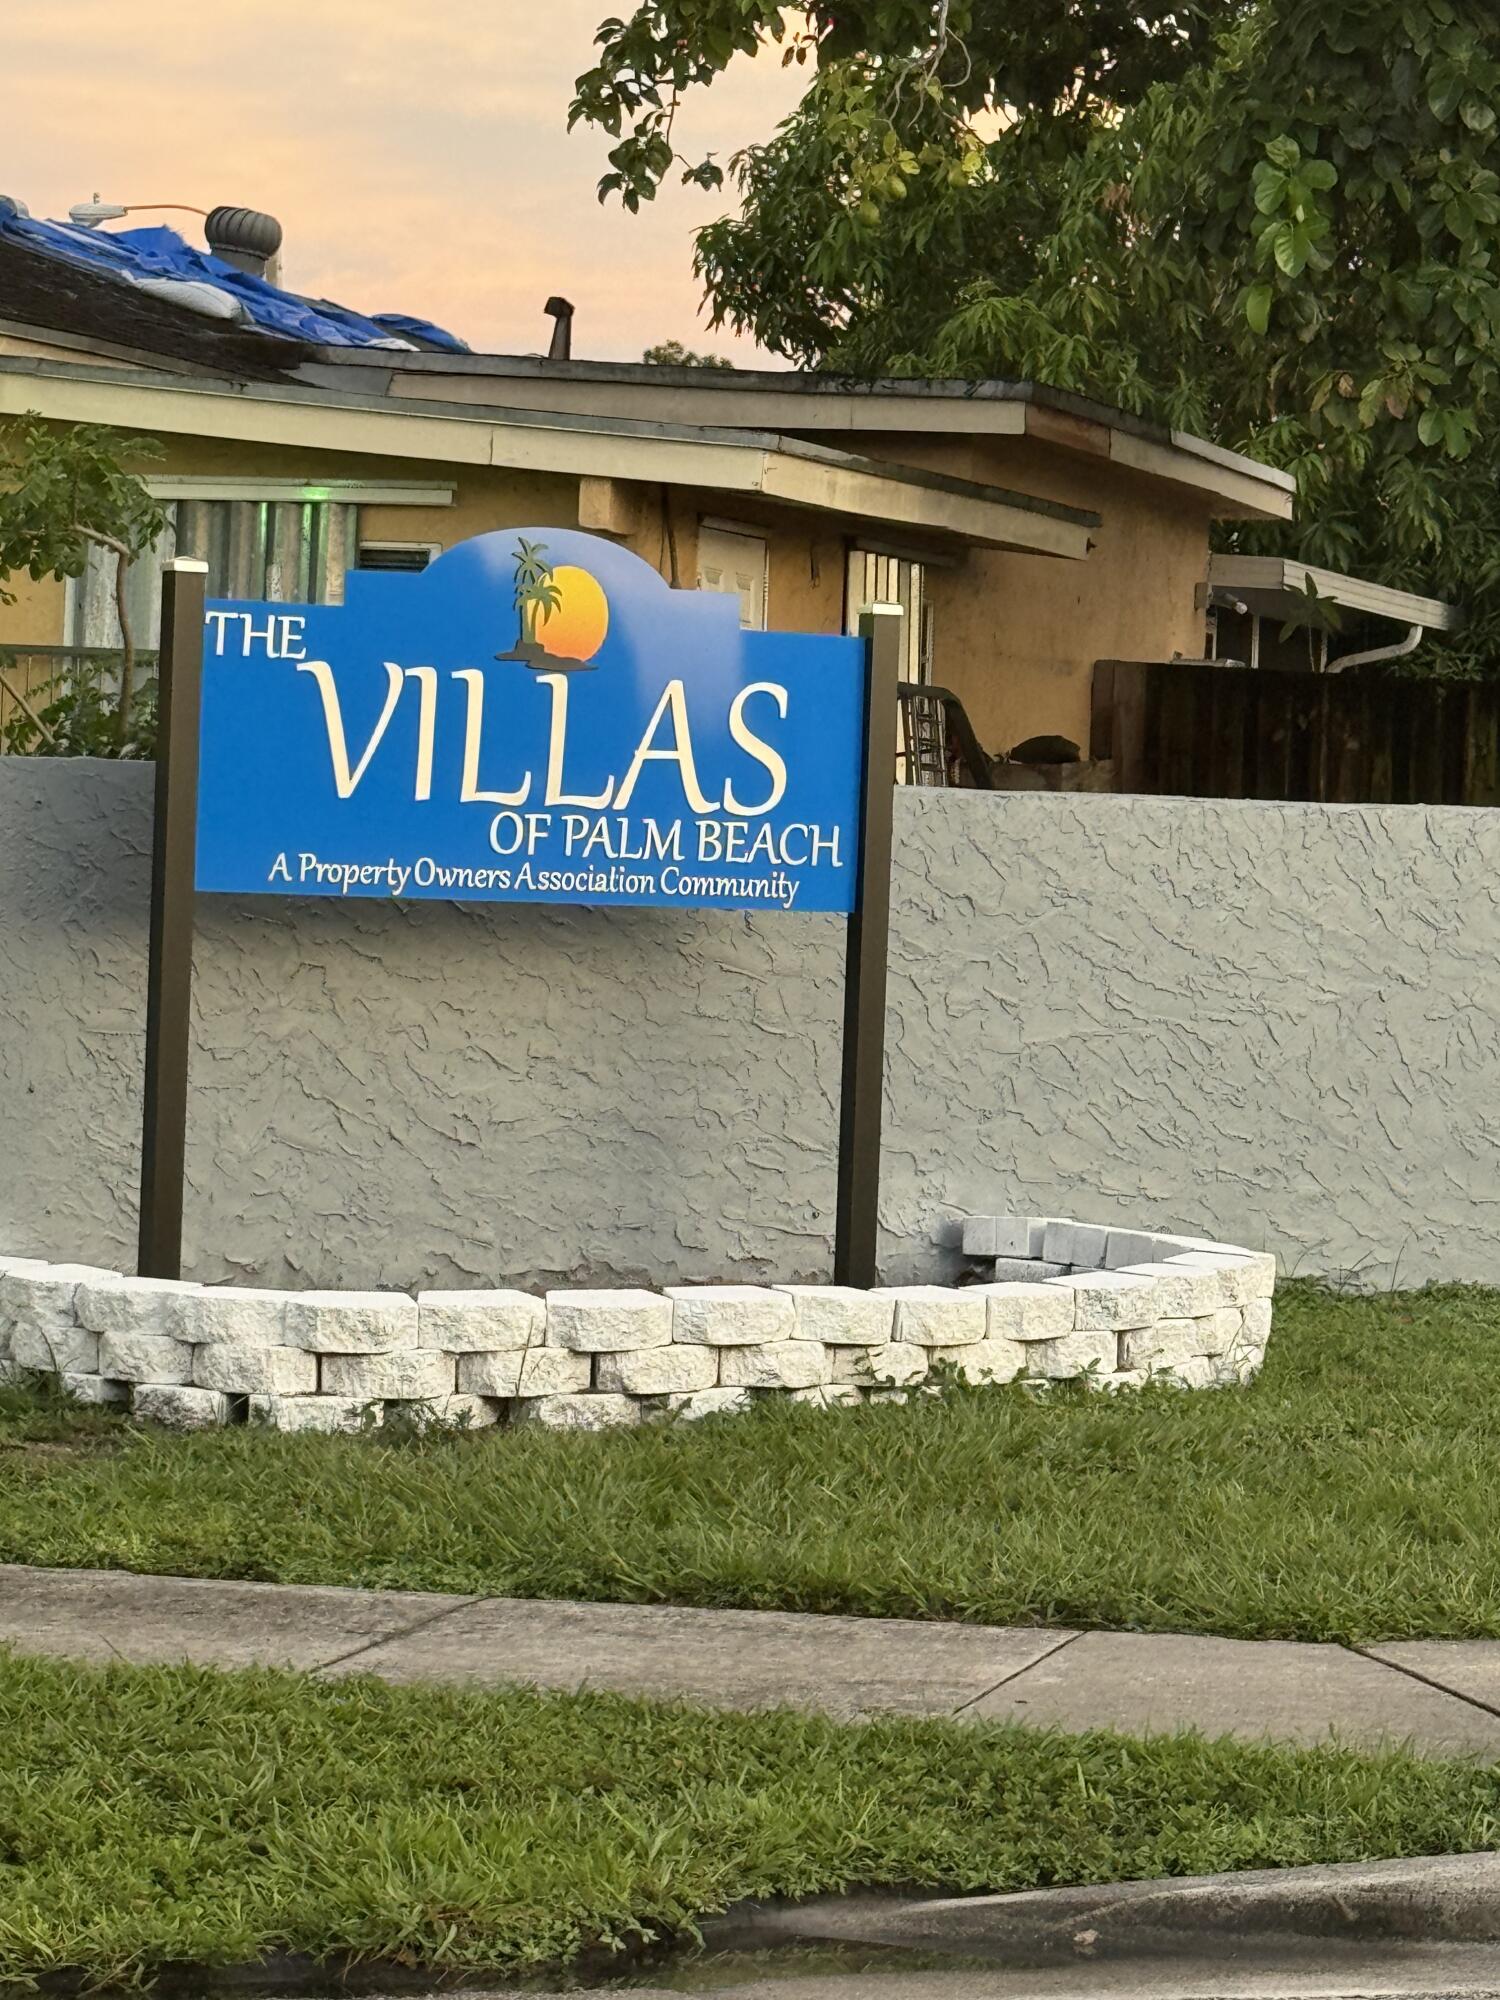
<point x="1276" y="587"/>
<point x="788" y="472"/>
<point x="1233" y="486"/>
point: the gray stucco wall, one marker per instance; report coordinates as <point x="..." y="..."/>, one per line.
<point x="1275" y="1024"/>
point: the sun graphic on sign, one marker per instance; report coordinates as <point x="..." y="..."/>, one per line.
<point x="575" y="629"/>
<point x="562" y="614"/>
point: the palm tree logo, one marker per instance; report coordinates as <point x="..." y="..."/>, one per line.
<point x="552" y="628"/>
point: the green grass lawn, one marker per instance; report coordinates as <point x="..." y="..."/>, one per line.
<point x="161" y="1816"/>
<point x="1353" y="1493"/>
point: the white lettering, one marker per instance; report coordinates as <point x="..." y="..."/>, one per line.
<point x="674" y="699"/>
<point x="346" y="781"/>
<point x="758" y="748"/>
<point x="473" y="732"/>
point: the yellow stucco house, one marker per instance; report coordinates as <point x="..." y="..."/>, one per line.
<point x="1029" y="533"/>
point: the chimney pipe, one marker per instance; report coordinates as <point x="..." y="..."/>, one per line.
<point x="246" y="239"/>
<point x="561" y="312"/>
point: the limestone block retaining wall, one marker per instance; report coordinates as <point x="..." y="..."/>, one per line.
<point x="1052" y="1300"/>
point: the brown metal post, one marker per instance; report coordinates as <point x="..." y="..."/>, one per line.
<point x="857" y="1224"/>
<point x="169" y="972"/>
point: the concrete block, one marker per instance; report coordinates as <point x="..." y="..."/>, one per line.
<point x="893" y="1366"/>
<point x="1242" y="1276"/>
<point x="350" y="1322"/>
<point x="500" y="1374"/>
<point x="549" y="1371"/>
<point x="1128" y="1246"/>
<point x="1005" y="1236"/>
<point x="1180" y="1291"/>
<point x="145" y="1357"/>
<point x="1025" y="1312"/>
<point x="207" y="1314"/>
<point x="408" y="1375"/>
<point x="31" y="1289"/>
<point x="977" y="1235"/>
<point x="1255" y="1326"/>
<point x="1246" y="1362"/>
<point x="658" y="1371"/>
<point x="938" y="1315"/>
<point x="581" y="1413"/>
<point x="130" y="1305"/>
<point x="1218" y="1331"/>
<point x="1025" y="1271"/>
<point x="730" y="1316"/>
<point x="841" y="1315"/>
<point x="315" y="1413"/>
<point x="480" y="1322"/>
<point x="36" y="1312"/>
<point x="1091" y="1351"/>
<point x="177" y="1408"/>
<point x="697" y="1403"/>
<point x="1078" y="1243"/>
<point x="1199" y="1371"/>
<point x="781" y="1364"/>
<point x="1110" y="1299"/>
<point x="52" y="1346"/>
<point x="1166" y="1343"/>
<point x="245" y="1368"/>
<point x="588" y="1322"/>
<point x="986" y="1360"/>
<point x="94" y="1389"/>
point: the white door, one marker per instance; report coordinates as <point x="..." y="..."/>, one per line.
<point x="736" y="565"/>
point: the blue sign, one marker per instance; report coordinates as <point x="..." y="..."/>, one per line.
<point x="537" y="718"/>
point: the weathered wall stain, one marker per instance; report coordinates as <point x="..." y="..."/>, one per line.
<point x="1273" y="1024"/>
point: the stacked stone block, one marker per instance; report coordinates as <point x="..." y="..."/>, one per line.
<point x="1114" y="1307"/>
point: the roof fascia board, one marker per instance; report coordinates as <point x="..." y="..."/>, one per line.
<point x="851" y="490"/>
<point x="1351" y="593"/>
<point x="1238" y="496"/>
<point x="754" y="410"/>
<point x="800" y="475"/>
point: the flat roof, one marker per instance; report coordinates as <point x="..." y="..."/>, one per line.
<point x="1273" y="585"/>
<point x="763" y="464"/>
<point x="821" y="400"/>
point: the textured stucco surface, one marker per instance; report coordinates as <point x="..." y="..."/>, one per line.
<point x="1277" y="1025"/>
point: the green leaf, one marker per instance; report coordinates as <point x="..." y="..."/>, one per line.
<point x="1258" y="307"/>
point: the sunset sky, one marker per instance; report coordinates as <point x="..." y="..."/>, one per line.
<point x="417" y="157"/>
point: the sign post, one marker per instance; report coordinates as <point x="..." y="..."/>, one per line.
<point x="169" y="973"/>
<point x="537" y="718"/>
<point x="857" y="1213"/>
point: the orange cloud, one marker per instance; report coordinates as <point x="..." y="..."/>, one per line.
<point x="418" y="158"/>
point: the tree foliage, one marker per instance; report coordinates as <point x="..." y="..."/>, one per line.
<point x="1272" y="223"/>
<point x="672" y="354"/>
<point x="63" y="492"/>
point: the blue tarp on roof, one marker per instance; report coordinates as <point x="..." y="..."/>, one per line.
<point x="153" y="257"/>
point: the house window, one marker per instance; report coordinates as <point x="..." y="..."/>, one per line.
<point x="402" y="558"/>
<point x="735" y="564"/>
<point x="921" y="738"/>
<point x="873" y="578"/>
<point x="283" y="551"/>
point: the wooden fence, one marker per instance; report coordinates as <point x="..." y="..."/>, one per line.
<point x="1191" y="729"/>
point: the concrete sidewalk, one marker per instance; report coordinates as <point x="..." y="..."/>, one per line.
<point x="1441" y="1697"/>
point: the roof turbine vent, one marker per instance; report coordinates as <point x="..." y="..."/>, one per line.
<point x="244" y="238"/>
